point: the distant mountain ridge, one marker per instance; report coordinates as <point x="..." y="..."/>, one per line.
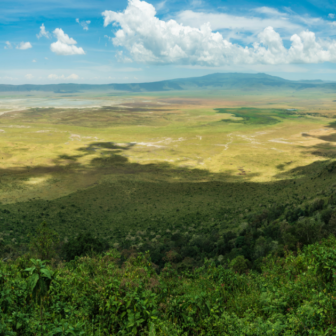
<point x="217" y="81"/>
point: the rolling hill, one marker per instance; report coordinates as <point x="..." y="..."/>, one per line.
<point x="238" y="81"/>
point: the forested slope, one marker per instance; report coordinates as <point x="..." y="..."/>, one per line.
<point x="231" y="269"/>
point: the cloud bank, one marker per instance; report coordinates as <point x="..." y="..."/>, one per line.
<point x="65" y="45"/>
<point x="55" y="77"/>
<point x="220" y="21"/>
<point x="153" y="41"/>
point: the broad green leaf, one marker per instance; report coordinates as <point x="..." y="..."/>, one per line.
<point x="47" y="273"/>
<point x="32" y="281"/>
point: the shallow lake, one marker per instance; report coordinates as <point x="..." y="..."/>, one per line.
<point x="57" y="102"/>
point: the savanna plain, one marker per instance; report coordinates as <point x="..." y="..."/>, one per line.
<point x="168" y="213"/>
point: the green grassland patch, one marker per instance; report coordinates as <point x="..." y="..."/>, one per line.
<point x="255" y="116"/>
<point x="113" y="170"/>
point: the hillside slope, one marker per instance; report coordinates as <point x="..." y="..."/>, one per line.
<point x="239" y="81"/>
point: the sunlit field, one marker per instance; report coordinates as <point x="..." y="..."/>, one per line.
<point x="62" y="144"/>
<point x="131" y="161"/>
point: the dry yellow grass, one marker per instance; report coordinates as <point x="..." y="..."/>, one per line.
<point x="49" y="153"/>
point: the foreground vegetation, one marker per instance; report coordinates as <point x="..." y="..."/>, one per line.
<point x="268" y="269"/>
<point x="101" y="295"/>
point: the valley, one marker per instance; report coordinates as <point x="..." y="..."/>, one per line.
<point x="189" y="198"/>
<point x="157" y="158"/>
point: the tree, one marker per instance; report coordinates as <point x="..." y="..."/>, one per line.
<point x="239" y="264"/>
<point x="84" y="244"/>
<point x="39" y="281"/>
<point x="44" y="244"/>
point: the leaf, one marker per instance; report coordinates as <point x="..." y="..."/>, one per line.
<point x="56" y="330"/>
<point x="47" y="273"/>
<point x="31" y="269"/>
<point x="32" y="281"/>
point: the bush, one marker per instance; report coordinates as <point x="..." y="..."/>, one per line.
<point x="239" y="264"/>
<point x="45" y="242"/>
<point x="318" y="204"/>
<point x="84" y="244"/>
<point x="294" y="295"/>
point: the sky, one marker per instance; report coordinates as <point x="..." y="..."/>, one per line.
<point x="100" y="41"/>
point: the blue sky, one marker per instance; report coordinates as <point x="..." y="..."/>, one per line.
<point x="86" y="41"/>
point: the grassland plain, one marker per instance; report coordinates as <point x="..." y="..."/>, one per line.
<point x="120" y="163"/>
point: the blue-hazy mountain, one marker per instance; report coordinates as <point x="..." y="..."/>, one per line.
<point x="238" y="81"/>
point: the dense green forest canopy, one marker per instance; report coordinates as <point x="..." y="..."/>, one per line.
<point x="114" y="294"/>
<point x="260" y="260"/>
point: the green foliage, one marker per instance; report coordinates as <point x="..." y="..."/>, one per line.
<point x="84" y="244"/>
<point x="185" y="240"/>
<point x="239" y="264"/>
<point x="39" y="281"/>
<point x="65" y="328"/>
<point x="254" y="116"/>
<point x="40" y="278"/>
<point x="293" y="295"/>
<point x="45" y="242"/>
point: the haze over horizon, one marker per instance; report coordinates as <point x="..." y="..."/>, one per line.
<point x="101" y="42"/>
<point x="223" y="80"/>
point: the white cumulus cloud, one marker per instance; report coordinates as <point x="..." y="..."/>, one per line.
<point x="8" y="45"/>
<point x="24" y="46"/>
<point x="29" y="76"/>
<point x="54" y="77"/>
<point x="331" y="16"/>
<point x="65" y="45"/>
<point x="253" y="21"/>
<point x="84" y="24"/>
<point x="43" y="32"/>
<point x="151" y="40"/>
<point x="73" y="76"/>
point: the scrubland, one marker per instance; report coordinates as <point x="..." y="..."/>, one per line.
<point x="209" y="203"/>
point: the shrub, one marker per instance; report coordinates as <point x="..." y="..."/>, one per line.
<point x="239" y="264"/>
<point x="84" y="244"/>
<point x="318" y="204"/>
<point x="45" y="242"/>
